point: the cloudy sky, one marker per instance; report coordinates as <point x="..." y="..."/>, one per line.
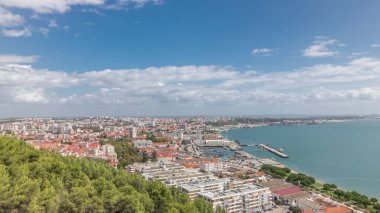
<point x="179" y="57"/>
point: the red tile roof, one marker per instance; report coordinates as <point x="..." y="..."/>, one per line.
<point x="338" y="210"/>
<point x="288" y="191"/>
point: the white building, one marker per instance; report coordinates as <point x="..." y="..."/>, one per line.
<point x="143" y="144"/>
<point x="106" y="150"/>
<point x="218" y="185"/>
<point x="109" y="150"/>
<point x="133" y="132"/>
<point x="250" y="199"/>
<point x="186" y="177"/>
<point x="217" y="142"/>
<point x="212" y="166"/>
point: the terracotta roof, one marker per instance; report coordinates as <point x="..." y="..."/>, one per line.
<point x="288" y="191"/>
<point x="338" y="210"/>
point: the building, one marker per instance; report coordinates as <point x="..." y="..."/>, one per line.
<point x="41" y="136"/>
<point x="165" y="157"/>
<point x="340" y="209"/>
<point x="187" y="177"/>
<point x="250" y="199"/>
<point x="133" y="132"/>
<point x="109" y="150"/>
<point x="285" y="192"/>
<point x="215" y="140"/>
<point x="143" y="144"/>
<point x="218" y="185"/>
<point x="310" y="206"/>
<point x="212" y="166"/>
<point x="153" y="167"/>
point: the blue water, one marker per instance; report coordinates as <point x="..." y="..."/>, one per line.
<point x="346" y="154"/>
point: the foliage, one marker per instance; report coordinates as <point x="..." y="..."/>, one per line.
<point x="276" y="171"/>
<point x="41" y="181"/>
<point x="295" y="209"/>
<point x="154" y="156"/>
<point x="300" y="179"/>
<point x="377" y="206"/>
<point x="354" y="197"/>
<point x="126" y="152"/>
<point x="329" y="186"/>
<point x="156" y="139"/>
<point x="220" y="209"/>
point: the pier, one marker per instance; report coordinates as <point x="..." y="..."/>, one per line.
<point x="274" y="151"/>
<point x="244" y="154"/>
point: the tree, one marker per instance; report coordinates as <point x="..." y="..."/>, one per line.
<point x="41" y="181"/>
<point x="275" y="171"/>
<point x="300" y="179"/>
<point x="145" y="157"/>
<point x="220" y="209"/>
<point x="329" y="186"/>
<point x="202" y="205"/>
<point x="377" y="206"/>
<point x="295" y="209"/>
<point x="154" y="156"/>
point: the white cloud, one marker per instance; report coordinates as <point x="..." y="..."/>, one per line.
<point x="322" y="47"/>
<point x="48" y="6"/>
<point x="62" y="6"/>
<point x="24" y="32"/>
<point x="375" y="45"/>
<point x="30" y="96"/>
<point x="53" y="24"/>
<point x="358" y="54"/>
<point x="18" y="59"/>
<point x="356" y="81"/>
<point x="44" y="31"/>
<point x="262" y="52"/>
<point x="362" y="94"/>
<point x="120" y="4"/>
<point x="14" y="25"/>
<point x="8" y="19"/>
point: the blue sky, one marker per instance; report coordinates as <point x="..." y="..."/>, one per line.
<point x="167" y="57"/>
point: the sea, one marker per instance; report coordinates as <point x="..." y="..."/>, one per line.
<point x="344" y="153"/>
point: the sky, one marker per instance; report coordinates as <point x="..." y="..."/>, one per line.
<point x="189" y="57"/>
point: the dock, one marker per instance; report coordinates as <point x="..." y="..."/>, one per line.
<point x="245" y="154"/>
<point x="274" y="151"/>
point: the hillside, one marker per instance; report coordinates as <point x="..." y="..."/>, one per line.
<point x="41" y="181"/>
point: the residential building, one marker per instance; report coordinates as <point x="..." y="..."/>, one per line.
<point x="143" y="144"/>
<point x="251" y="199"/>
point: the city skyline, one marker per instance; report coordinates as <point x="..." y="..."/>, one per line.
<point x="169" y="58"/>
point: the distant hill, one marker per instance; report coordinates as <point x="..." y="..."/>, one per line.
<point x="40" y="181"/>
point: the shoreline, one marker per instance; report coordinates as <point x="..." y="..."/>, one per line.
<point x="315" y="190"/>
<point x="275" y="162"/>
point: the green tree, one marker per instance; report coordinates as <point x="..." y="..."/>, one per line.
<point x="276" y="171"/>
<point x="154" y="156"/>
<point x="203" y="206"/>
<point x="220" y="209"/>
<point x="145" y="157"/>
<point x="41" y="181"/>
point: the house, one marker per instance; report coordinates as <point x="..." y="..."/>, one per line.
<point x="143" y="144"/>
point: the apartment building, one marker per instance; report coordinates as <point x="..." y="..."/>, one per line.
<point x="250" y="199"/>
<point x="218" y="185"/>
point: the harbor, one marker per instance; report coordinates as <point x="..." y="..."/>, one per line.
<point x="274" y="151"/>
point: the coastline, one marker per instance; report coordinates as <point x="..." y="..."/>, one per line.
<point x="275" y="162"/>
